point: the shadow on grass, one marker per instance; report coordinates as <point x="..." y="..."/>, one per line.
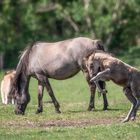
<point x="115" y="109"/>
<point x="96" y="110"/>
<point x="76" y="111"/>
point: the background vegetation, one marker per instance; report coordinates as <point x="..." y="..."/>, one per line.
<point x="116" y="23"/>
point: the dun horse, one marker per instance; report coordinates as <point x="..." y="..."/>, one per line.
<point x="102" y="67"/>
<point x="6" y="85"/>
<point x="60" y="60"/>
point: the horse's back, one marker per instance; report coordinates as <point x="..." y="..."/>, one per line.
<point x="60" y="60"/>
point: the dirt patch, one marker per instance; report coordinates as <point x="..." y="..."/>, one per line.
<point x="77" y="122"/>
<point x="61" y="123"/>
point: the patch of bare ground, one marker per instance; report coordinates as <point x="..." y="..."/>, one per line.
<point x="60" y="123"/>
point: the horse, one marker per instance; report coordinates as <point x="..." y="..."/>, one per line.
<point x="58" y="60"/>
<point x="6" y="85"/>
<point x="103" y="67"/>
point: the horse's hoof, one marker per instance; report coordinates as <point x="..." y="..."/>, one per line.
<point x="38" y="111"/>
<point x="132" y="118"/>
<point x="125" y="120"/>
<point x="105" y="109"/>
<point x="58" y="111"/>
<point x="19" y="112"/>
<point x="91" y="108"/>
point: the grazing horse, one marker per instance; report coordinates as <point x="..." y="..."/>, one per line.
<point x="6" y="85"/>
<point x="59" y="60"/>
<point x="102" y="67"/>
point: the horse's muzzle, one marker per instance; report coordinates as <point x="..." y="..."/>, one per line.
<point x="19" y="112"/>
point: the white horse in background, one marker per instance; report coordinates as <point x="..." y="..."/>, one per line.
<point x="6" y="85"/>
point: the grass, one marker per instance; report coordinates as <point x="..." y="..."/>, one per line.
<point x="73" y="96"/>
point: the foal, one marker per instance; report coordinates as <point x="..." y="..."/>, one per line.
<point x="6" y="85"/>
<point x="102" y="66"/>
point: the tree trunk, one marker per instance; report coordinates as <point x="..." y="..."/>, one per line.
<point x="1" y="60"/>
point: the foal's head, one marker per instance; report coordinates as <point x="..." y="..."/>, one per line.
<point x="92" y="64"/>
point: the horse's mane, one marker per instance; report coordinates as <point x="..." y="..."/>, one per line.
<point x="22" y="67"/>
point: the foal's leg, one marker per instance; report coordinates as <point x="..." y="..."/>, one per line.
<point x="51" y="94"/>
<point x="40" y="96"/>
<point x="102" y="85"/>
<point x="135" y="109"/>
<point x="132" y="99"/>
<point x="92" y="87"/>
<point x="136" y="94"/>
<point x="101" y="76"/>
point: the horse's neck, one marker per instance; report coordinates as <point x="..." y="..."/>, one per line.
<point x="23" y="82"/>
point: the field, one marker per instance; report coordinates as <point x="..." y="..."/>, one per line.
<point x="75" y="122"/>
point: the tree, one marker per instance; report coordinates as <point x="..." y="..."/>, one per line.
<point x="116" y="23"/>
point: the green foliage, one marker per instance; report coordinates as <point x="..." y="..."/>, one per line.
<point x="24" y="21"/>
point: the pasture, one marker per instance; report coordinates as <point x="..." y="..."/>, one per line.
<point x="75" y="122"/>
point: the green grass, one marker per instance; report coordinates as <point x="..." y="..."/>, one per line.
<point x="73" y="96"/>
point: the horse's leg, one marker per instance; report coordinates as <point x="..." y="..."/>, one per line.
<point x="2" y="93"/>
<point x="40" y="96"/>
<point x="131" y="98"/>
<point x="9" y="99"/>
<point x="6" y="100"/>
<point x="92" y="88"/>
<point x="51" y="94"/>
<point x="102" y="85"/>
<point x="13" y="102"/>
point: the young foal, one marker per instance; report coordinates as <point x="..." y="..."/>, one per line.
<point x="6" y="85"/>
<point x="103" y="66"/>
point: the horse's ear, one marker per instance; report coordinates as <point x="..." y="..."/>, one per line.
<point x="99" y="44"/>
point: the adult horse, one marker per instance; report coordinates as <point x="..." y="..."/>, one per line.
<point x="59" y="60"/>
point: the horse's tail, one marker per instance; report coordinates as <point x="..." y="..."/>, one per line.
<point x="21" y="69"/>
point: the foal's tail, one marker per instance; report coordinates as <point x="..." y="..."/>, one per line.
<point x="21" y="69"/>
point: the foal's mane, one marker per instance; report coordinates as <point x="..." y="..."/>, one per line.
<point x="98" y="51"/>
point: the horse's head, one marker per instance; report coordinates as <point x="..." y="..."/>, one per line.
<point x="20" y="105"/>
<point x="20" y="92"/>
